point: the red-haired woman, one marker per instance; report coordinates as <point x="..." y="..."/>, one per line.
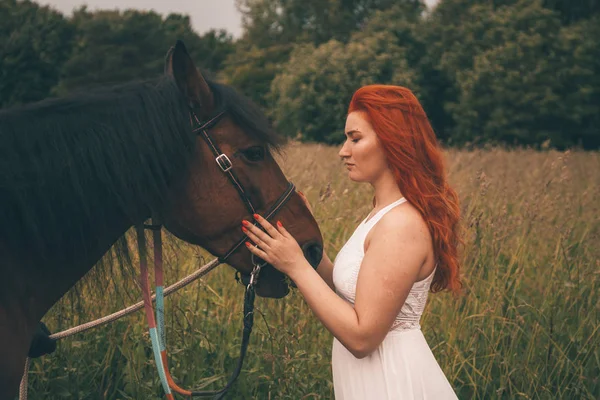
<point x="406" y="247"/>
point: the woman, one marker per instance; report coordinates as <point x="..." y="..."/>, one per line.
<point x="404" y="248"/>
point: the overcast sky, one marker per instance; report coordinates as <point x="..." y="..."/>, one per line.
<point x="205" y="14"/>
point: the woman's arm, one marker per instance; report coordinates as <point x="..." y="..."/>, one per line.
<point x="390" y="267"/>
<point x="397" y="250"/>
<point x="325" y="270"/>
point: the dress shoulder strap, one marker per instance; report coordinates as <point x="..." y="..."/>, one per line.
<point x="379" y="214"/>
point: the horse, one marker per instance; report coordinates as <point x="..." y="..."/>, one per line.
<point x="78" y="172"/>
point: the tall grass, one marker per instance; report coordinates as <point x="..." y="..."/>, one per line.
<point x="527" y="325"/>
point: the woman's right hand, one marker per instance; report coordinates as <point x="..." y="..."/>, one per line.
<point x="306" y="203"/>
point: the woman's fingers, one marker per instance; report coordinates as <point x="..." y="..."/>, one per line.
<point x="249" y="228"/>
<point x="252" y="236"/>
<point x="282" y="230"/>
<point x="258" y="252"/>
<point x="274" y="233"/>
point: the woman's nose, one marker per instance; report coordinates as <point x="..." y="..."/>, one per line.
<point x="344" y="151"/>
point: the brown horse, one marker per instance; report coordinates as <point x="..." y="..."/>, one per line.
<point x="76" y="173"/>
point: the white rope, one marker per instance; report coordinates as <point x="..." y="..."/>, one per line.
<point x="205" y="269"/>
<point x="133" y="308"/>
<point x="23" y="386"/>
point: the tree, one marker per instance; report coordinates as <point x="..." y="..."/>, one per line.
<point x="269" y="22"/>
<point x="314" y="89"/>
<point x="212" y="49"/>
<point x="578" y="81"/>
<point x="113" y="47"/>
<point x="251" y="69"/>
<point x="535" y="84"/>
<point x="452" y="34"/>
<point x="209" y="50"/>
<point x="405" y="22"/>
<point x="574" y="10"/>
<point x="34" y="44"/>
<point x="273" y="27"/>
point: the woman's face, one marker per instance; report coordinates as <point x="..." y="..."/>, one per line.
<point x="362" y="152"/>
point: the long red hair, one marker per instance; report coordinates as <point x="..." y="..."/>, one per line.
<point x="417" y="164"/>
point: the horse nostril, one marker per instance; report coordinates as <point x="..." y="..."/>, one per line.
<point x="313" y="253"/>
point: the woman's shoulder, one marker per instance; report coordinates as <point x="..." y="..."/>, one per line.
<point x="401" y="240"/>
<point x="402" y="222"/>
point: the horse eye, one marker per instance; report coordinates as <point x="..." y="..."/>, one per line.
<point x="256" y="153"/>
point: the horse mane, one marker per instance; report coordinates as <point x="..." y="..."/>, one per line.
<point x="66" y="161"/>
<point x="246" y="114"/>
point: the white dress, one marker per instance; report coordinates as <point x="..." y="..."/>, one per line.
<point x="403" y="366"/>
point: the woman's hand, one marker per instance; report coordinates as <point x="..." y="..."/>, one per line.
<point x="275" y="246"/>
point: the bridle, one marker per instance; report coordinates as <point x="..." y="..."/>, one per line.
<point x="157" y="326"/>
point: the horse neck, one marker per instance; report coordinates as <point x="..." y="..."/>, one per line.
<point x="36" y="288"/>
<point x="31" y="292"/>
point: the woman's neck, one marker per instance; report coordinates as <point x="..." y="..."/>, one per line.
<point x="386" y="190"/>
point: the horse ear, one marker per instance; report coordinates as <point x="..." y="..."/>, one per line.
<point x="190" y="81"/>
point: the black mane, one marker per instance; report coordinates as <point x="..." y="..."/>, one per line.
<point x="66" y="162"/>
<point x="246" y="114"/>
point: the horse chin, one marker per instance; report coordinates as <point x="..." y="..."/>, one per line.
<point x="272" y="283"/>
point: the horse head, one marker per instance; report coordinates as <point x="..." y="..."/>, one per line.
<point x="209" y="204"/>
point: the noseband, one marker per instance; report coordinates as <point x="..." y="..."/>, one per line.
<point x="157" y="330"/>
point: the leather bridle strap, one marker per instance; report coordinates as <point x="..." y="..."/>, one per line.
<point x="285" y="196"/>
<point x="157" y="330"/>
<point x="157" y="326"/>
<point x="221" y="158"/>
<point x="148" y="309"/>
<point x="226" y="166"/>
<point x="159" y="344"/>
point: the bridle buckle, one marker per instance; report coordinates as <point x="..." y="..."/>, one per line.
<point x="254" y="275"/>
<point x="224" y="162"/>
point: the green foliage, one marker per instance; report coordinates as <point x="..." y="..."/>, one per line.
<point x="251" y="69"/>
<point x="510" y="72"/>
<point x="212" y="49"/>
<point x="515" y="72"/>
<point x="520" y="87"/>
<point x="34" y="44"/>
<point x="113" y="46"/>
<point x="513" y="46"/>
<point x="316" y="85"/>
<point x="429" y="83"/>
<point x="452" y="35"/>
<point x="269" y="22"/>
<point x="574" y="10"/>
<point x="274" y="27"/>
<point x="579" y="78"/>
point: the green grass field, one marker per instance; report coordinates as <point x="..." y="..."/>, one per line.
<point x="527" y="325"/>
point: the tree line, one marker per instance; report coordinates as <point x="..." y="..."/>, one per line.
<point x="511" y="72"/>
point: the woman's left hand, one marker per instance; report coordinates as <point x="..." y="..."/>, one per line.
<point x="275" y="246"/>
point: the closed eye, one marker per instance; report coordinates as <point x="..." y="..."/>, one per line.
<point x="254" y="153"/>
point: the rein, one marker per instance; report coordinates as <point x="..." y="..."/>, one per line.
<point x="156" y="325"/>
<point x="157" y="330"/>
